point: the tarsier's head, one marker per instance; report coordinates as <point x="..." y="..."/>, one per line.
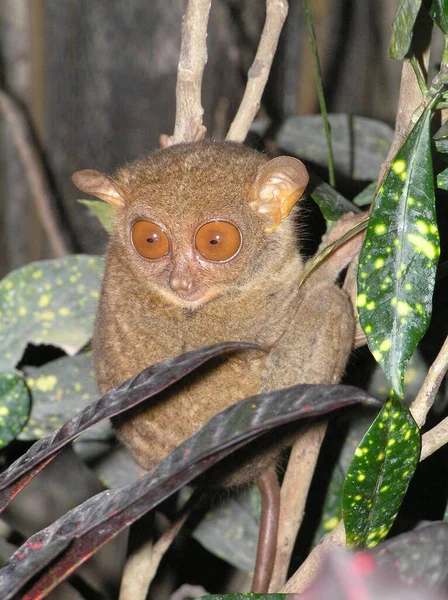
<point x="192" y="221"/>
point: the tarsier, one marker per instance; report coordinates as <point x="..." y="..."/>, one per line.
<point x="205" y="250"/>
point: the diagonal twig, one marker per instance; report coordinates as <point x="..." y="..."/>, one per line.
<point x="17" y="120"/>
<point x="276" y="11"/>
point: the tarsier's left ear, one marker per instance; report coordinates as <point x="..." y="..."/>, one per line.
<point x="99" y="185"/>
<point x="279" y="184"/>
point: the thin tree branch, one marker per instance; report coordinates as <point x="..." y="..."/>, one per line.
<point x="34" y="170"/>
<point x="276" y="11"/>
<point x="293" y="495"/>
<point x="307" y="572"/>
<point x="142" y="565"/>
<point x="193" y="58"/>
<point x="426" y="396"/>
<point x="434" y="439"/>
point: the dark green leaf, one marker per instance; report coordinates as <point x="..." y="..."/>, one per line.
<point x="14" y="406"/>
<point x="332" y="204"/>
<point x="360" y="145"/>
<point x="48" y="302"/>
<point x="442" y="180"/>
<point x="230" y="530"/>
<point x="439" y="12"/>
<point x="103" y="211"/>
<point x="398" y="261"/>
<point x="402" y="28"/>
<point x="441" y="144"/>
<point x="59" y="390"/>
<point x="379" y="475"/>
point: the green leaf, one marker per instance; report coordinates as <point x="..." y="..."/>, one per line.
<point x="59" y="390"/>
<point x="402" y="27"/>
<point x="48" y="302"/>
<point x="14" y="406"/>
<point x="398" y="261"/>
<point x="103" y="211"/>
<point x="360" y="145"/>
<point x="439" y="12"/>
<point x="441" y="144"/>
<point x="379" y="475"/>
<point x="230" y="529"/>
<point x="367" y="195"/>
<point x="332" y="204"/>
<point x="442" y="180"/>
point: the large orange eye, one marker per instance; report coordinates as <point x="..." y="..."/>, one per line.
<point x="218" y="240"/>
<point x="150" y="240"/>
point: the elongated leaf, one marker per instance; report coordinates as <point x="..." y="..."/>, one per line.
<point x="398" y="262"/>
<point x="439" y="12"/>
<point x="402" y="28"/>
<point x="14" y="406"/>
<point x="332" y="204"/>
<point x="48" y="302"/>
<point x="93" y="523"/>
<point x="102" y="211"/>
<point x="128" y="394"/>
<point x="379" y="475"/>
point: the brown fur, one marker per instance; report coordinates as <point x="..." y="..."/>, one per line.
<point x="307" y="332"/>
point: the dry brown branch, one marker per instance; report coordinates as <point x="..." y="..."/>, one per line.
<point x="193" y="57"/>
<point x="434" y="439"/>
<point x="307" y="572"/>
<point x="276" y="11"/>
<point x="294" y="492"/>
<point x="426" y="396"/>
<point x="142" y="565"/>
<point x="34" y="170"/>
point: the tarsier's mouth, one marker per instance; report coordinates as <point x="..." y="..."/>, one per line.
<point x="192" y="300"/>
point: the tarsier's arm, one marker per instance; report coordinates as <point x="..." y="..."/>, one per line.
<point x="323" y="328"/>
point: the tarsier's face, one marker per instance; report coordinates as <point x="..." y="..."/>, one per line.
<point x="195" y="221"/>
<point x="184" y="268"/>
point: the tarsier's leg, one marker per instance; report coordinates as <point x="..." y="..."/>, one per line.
<point x="318" y="342"/>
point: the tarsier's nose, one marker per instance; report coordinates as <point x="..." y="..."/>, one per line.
<point x="181" y="284"/>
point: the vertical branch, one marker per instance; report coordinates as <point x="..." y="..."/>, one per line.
<point x="276" y="11"/>
<point x="193" y="58"/>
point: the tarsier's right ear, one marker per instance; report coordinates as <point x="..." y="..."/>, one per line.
<point x="99" y="185"/>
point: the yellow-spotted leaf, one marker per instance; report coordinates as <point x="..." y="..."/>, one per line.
<point x="48" y="302"/>
<point x="14" y="406"/>
<point x="442" y="180"/>
<point x="402" y="27"/>
<point x="398" y="262"/>
<point x="379" y="474"/>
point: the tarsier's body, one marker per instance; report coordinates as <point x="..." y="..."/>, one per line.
<point x="153" y="309"/>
